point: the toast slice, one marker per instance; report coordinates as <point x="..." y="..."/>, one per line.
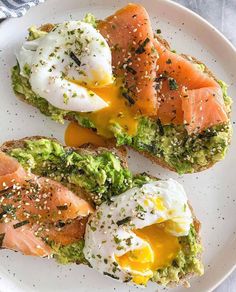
<point x="226" y="129"/>
<point x="47" y="157"/>
<point x="169" y="146"/>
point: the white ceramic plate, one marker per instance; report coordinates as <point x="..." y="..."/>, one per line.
<point x="212" y="192"/>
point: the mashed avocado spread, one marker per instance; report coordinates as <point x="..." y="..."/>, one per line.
<point x="103" y="175"/>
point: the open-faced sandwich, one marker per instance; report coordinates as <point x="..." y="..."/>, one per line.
<point x="84" y="206"/>
<point x="121" y="79"/>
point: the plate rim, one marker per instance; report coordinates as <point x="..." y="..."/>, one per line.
<point x="230" y="45"/>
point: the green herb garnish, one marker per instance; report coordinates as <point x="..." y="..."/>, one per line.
<point x="20" y="224"/>
<point x="141" y="48"/>
<point x="131" y="70"/>
<point x="161" y="129"/>
<point x="172" y="84"/>
<point x="123" y="221"/>
<point x="75" y="59"/>
<point x="140" y="208"/>
<point x="128" y="97"/>
<point x="62" y="208"/>
<point x="110" y="275"/>
<point x="2" y="214"/>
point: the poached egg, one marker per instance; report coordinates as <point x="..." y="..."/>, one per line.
<point x="137" y="233"/>
<point x="66" y="64"/>
<point x="71" y="68"/>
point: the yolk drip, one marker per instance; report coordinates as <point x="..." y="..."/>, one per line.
<point x="76" y="136"/>
<point x="118" y="111"/>
<point x="161" y="250"/>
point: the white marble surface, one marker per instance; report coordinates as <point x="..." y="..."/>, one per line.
<point x="222" y="14"/>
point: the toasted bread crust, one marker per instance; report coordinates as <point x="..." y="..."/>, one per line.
<point x="163" y="164"/>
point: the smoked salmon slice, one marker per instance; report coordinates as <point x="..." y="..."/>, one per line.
<point x="134" y="58"/>
<point x="23" y="239"/>
<point x="187" y="95"/>
<point x="11" y="172"/>
<point x="66" y="233"/>
<point x="35" y="209"/>
<point x="162" y="84"/>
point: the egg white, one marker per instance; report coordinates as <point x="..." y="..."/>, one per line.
<point x="109" y="230"/>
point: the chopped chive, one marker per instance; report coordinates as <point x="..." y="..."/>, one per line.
<point x="75" y="59"/>
<point x="2" y="192"/>
<point x="160" y="78"/>
<point x="141" y="48"/>
<point x="60" y="224"/>
<point x="128" y="279"/>
<point x="131" y="70"/>
<point x="20" y="224"/>
<point x="207" y="134"/>
<point x="168" y="61"/>
<point x="175" y="264"/>
<point x="2" y="214"/>
<point x="123" y="221"/>
<point x="172" y="84"/>
<point x="128" y="97"/>
<point x="161" y="129"/>
<point x="140" y="208"/>
<point x="117" y="240"/>
<point x="158" y="31"/>
<point x="62" y="208"/>
<point x="110" y="275"/>
<point x="7" y="209"/>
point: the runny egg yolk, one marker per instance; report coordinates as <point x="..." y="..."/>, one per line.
<point x="160" y="251"/>
<point x="77" y="135"/>
<point x="119" y="111"/>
